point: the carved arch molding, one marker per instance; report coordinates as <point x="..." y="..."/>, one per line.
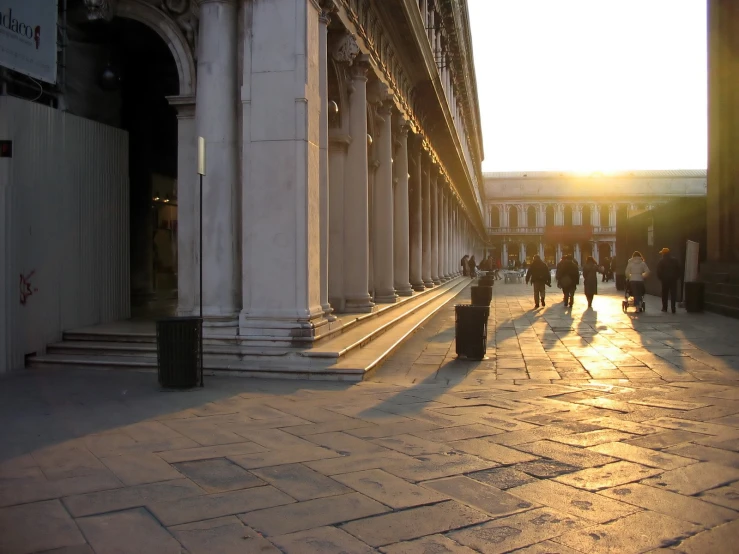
<point x="176" y="21"/>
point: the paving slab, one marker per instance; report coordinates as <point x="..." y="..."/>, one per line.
<point x="573" y="501"/>
<point x="198" y="508"/>
<point x="478" y="495"/>
<point x="718" y="539"/>
<point x="389" y="489"/>
<point x="433" y="544"/>
<point x="579" y="457"/>
<point x="435" y="466"/>
<point x="671" y="504"/>
<point x="36" y="527"/>
<point x="130" y="497"/>
<point x="128" y="532"/>
<point x="611" y="475"/>
<point x="218" y="475"/>
<point x="301" y="482"/>
<point x="723" y="496"/>
<point x="414" y="523"/>
<point x="502" y="477"/>
<point x="517" y="531"/>
<point x="643" y="456"/>
<point x="638" y="532"/>
<point x="323" y="540"/>
<point x="223" y="535"/>
<point x="695" y="478"/>
<point x="302" y="516"/>
<point x="137" y="469"/>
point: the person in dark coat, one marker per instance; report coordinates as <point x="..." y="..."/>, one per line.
<point x="668" y="271"/>
<point x="590" y="279"/>
<point x="472" y="266"/>
<point x="464" y="262"/>
<point x="568" y="277"/>
<point x="539" y="276"/>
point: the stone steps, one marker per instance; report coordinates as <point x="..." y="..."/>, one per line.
<point x="716" y="298"/>
<point x="365" y="343"/>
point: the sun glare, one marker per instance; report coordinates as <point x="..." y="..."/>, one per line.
<point x="583" y="85"/>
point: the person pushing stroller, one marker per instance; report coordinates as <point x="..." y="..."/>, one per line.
<point x="636" y="271"/>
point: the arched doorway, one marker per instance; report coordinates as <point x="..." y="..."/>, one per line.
<point x="148" y="75"/>
<point x="568" y="216"/>
<point x="587" y="218"/>
<point x="550" y="215"/>
<point x="604" y="252"/>
<point x="512" y="217"/>
<point x="495" y="217"/>
<point x="532" y="250"/>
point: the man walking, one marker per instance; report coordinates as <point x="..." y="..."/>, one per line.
<point x="540" y="277"/>
<point x="668" y="271"/>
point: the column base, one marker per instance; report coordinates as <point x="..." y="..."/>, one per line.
<point x="386" y="298"/>
<point x="429" y="284"/>
<point x="437" y="281"/>
<point x="287" y="326"/>
<point x="419" y="287"/>
<point x="405" y="290"/>
<point x="363" y="304"/>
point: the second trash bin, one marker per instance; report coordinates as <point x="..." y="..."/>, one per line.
<point x="694" y="293"/>
<point x="178" y="352"/>
<point x="471" y="331"/>
<point x="481" y="295"/>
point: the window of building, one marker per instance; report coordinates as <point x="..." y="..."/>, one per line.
<point x="550" y="215"/>
<point x="531" y="216"/>
<point x="512" y="217"/>
<point x="568" y="216"/>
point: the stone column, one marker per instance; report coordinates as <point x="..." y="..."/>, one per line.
<point x="612" y="215"/>
<point x="595" y="215"/>
<point x="401" y="242"/>
<point x="443" y="234"/>
<point x="541" y="249"/>
<point x="416" y="224"/>
<point x="504" y="255"/>
<point x="577" y="214"/>
<point x="215" y="120"/>
<point x="323" y="163"/>
<point x="338" y="146"/>
<point x="522" y="252"/>
<point x="187" y="206"/>
<point x="577" y="253"/>
<point x="559" y="214"/>
<point x="435" y="226"/>
<point x="382" y="208"/>
<point x="356" y="199"/>
<point x="559" y="253"/>
<point x="426" y="220"/>
<point x="282" y="192"/>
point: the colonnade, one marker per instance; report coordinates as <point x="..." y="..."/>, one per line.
<point x="332" y="199"/>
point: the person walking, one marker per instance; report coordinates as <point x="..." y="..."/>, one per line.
<point x="540" y="277"/>
<point x="590" y="279"/>
<point x="668" y="272"/>
<point x="568" y="277"/>
<point x="472" y="267"/>
<point x="636" y="272"/>
<point x="464" y="262"/>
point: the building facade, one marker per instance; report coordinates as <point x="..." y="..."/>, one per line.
<point x="551" y="213"/>
<point x="343" y="152"/>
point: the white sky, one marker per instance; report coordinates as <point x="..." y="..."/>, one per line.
<point x="591" y="85"/>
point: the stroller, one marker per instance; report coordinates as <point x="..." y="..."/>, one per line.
<point x="630" y="301"/>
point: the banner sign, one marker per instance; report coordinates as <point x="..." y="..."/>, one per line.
<point x="28" y="37"/>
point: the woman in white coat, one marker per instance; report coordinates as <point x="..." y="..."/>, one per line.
<point x="636" y="272"/>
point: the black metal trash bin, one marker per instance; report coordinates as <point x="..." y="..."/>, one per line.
<point x="620" y="281"/>
<point x="178" y="352"/>
<point x="694" y="295"/>
<point x="481" y="295"/>
<point x="471" y="330"/>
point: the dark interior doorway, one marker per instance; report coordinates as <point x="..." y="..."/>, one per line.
<point x="148" y="74"/>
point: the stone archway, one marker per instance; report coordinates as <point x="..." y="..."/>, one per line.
<point x="177" y="27"/>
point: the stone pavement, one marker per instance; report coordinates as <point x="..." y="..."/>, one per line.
<point x="585" y="431"/>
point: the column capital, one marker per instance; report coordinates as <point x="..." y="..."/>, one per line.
<point x="184" y="105"/>
<point x="345" y="49"/>
<point x="326" y="7"/>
